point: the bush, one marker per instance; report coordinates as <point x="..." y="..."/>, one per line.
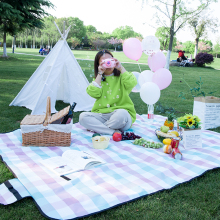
<point x="204" y="58"/>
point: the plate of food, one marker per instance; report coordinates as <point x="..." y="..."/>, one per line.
<point x="164" y="132"/>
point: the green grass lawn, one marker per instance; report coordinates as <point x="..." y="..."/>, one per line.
<point x="79" y="54"/>
<point x="198" y="199"/>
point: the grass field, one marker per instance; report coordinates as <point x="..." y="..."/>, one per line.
<point x="198" y="199"/>
<point x="79" y="54"/>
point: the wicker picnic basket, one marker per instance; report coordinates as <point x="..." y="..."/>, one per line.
<point x="37" y="130"/>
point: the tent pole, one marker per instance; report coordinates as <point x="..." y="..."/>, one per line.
<point x="64" y="28"/>
<point x="58" y="29"/>
<point x="67" y="31"/>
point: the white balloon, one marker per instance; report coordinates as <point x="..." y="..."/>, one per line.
<point x="150" y="93"/>
<point x="137" y="87"/>
<point x="145" y="76"/>
<point x="150" y="44"/>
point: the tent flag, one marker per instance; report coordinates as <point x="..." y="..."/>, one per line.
<point x="58" y="76"/>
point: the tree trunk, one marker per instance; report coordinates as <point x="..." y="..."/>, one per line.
<point x="171" y="35"/>
<point x="33" y="40"/>
<point x="22" y="41"/>
<point x="41" y="42"/>
<point x="4" y="45"/>
<point x="13" y="46"/>
<point x="196" y="47"/>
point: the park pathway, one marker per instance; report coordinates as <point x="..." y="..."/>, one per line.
<point x="76" y="58"/>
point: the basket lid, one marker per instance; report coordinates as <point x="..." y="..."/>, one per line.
<point x="59" y="114"/>
<point x="33" y="120"/>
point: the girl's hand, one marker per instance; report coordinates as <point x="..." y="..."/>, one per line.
<point x="101" y="69"/>
<point x="119" y="66"/>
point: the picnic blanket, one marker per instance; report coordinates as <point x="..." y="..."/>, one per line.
<point x="130" y="171"/>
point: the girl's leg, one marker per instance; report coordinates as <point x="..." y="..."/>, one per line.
<point x="120" y="119"/>
<point x="95" y="122"/>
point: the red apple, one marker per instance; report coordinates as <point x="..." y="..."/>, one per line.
<point x="117" y="136"/>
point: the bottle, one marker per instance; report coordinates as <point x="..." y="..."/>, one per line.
<point x="67" y="118"/>
<point x="150" y="111"/>
<point x="176" y="154"/>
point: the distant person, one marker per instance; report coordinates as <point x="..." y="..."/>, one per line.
<point x="181" y="55"/>
<point x="41" y="49"/>
<point x="179" y="59"/>
<point x="48" y="51"/>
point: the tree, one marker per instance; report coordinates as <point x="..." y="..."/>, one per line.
<point x="15" y="16"/>
<point x="77" y="29"/>
<point x="124" y="32"/>
<point x="90" y="28"/>
<point x="163" y="35"/>
<point x="97" y="43"/>
<point x="203" y="47"/>
<point x="188" y="47"/>
<point x="75" y="41"/>
<point x="208" y="42"/>
<point x="179" y="45"/>
<point x="140" y="38"/>
<point x="200" y="25"/>
<point x="50" y="30"/>
<point x="216" y="48"/>
<point x="174" y="14"/>
<point x="115" y="42"/>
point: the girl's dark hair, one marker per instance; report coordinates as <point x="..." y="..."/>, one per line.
<point x="96" y="63"/>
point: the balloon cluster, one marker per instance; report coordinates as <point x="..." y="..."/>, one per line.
<point x="149" y="82"/>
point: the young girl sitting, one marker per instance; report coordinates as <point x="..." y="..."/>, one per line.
<point x="113" y="109"/>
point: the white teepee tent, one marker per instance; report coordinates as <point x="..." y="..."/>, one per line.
<point x="58" y="76"/>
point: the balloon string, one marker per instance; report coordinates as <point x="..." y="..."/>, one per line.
<point x="139" y="66"/>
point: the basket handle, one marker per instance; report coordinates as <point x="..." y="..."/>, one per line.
<point x="48" y="111"/>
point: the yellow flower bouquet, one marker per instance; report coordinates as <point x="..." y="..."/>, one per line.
<point x="189" y="121"/>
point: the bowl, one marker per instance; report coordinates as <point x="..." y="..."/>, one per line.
<point x="161" y="135"/>
<point x="100" y="142"/>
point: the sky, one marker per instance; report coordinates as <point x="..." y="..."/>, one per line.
<point x="109" y="15"/>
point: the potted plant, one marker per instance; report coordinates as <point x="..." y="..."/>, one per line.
<point x="189" y="121"/>
<point x="191" y="125"/>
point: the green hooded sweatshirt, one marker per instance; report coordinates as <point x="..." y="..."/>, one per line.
<point x="114" y="94"/>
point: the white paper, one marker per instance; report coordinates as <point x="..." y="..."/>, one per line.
<point x="212" y="115"/>
<point x="199" y="110"/>
<point x="192" y="139"/>
<point x="209" y="113"/>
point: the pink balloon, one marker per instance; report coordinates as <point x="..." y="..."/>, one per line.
<point x="156" y="61"/>
<point x="162" y="77"/>
<point x="132" y="48"/>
